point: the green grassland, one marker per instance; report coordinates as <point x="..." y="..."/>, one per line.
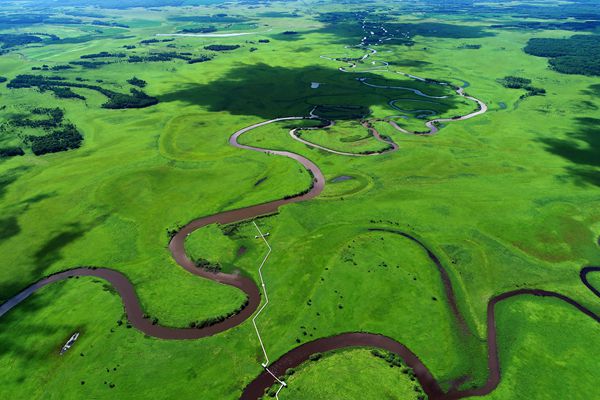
<point x="508" y="199"/>
<point x="594" y="279"/>
<point x="327" y="377"/>
<point x="346" y="136"/>
<point x="557" y="340"/>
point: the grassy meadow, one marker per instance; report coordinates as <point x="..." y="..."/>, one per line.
<point x="328" y="377"/>
<point x="506" y="200"/>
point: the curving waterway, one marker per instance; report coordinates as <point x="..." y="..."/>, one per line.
<point x="392" y="146"/>
<point x="431" y="387"/>
<point x="295" y="357"/>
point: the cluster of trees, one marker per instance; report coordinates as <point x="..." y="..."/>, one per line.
<point x="23" y="19"/>
<point x="65" y="138"/>
<point x="516" y="82"/>
<point x="171" y="232"/>
<point x="230" y="229"/>
<point x="202" y="29"/>
<point x="58" y="136"/>
<point x="563" y="26"/>
<point x="97" y="60"/>
<point x="348" y="59"/>
<point x="151" y="57"/>
<point x="11" y="152"/>
<point x="159" y="57"/>
<point x="302" y="193"/>
<point x="17" y="39"/>
<point x="54" y="118"/>
<point x="579" y="54"/>
<point x="78" y="13"/>
<point x="577" y="65"/>
<point x="137" y="82"/>
<point x="50" y="36"/>
<point x="104" y="23"/>
<point x="3" y="79"/>
<point x="581" y="10"/>
<point x="279" y="14"/>
<point x="26" y="81"/>
<point x="394" y="360"/>
<point x="89" y="64"/>
<point x="104" y="54"/>
<point x="342" y="16"/>
<point x="136" y="98"/>
<point x="215" y="320"/>
<point x="31" y="19"/>
<point x="207" y="265"/>
<point x="54" y="68"/>
<point x="221" y="47"/>
<point x="200" y="59"/>
<point x="391" y="358"/>
<point x="65" y="93"/>
<point x="210" y="19"/>
<point x="470" y="47"/>
<point x="60" y="67"/>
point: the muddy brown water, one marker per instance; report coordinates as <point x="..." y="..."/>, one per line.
<point x="448" y="289"/>
<point x="177" y="246"/>
<point x="431" y="387"/>
<point x="295" y="357"/>
<point x="302" y="353"/>
<point x="392" y="146"/>
<point x="583" y="275"/>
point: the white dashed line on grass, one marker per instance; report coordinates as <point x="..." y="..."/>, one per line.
<point x="265" y="364"/>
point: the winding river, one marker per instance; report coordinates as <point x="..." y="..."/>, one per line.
<point x="302" y="353"/>
<point x="392" y="146"/>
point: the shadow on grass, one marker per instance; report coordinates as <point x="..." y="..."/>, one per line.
<point x="272" y="91"/>
<point x="9" y="177"/>
<point x="346" y="28"/>
<point x="46" y="255"/>
<point x="12" y="340"/>
<point x="49" y="253"/>
<point x="37" y="198"/>
<point x="583" y="149"/>
<point x="346" y="19"/>
<point x="592" y="90"/>
<point x="9" y="227"/>
<point x="289" y="36"/>
<point x="440" y="30"/>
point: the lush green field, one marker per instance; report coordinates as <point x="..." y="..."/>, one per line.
<point x="328" y="377"/>
<point x="550" y="341"/>
<point x="505" y="200"/>
<point x="594" y="279"/>
<point x="348" y="137"/>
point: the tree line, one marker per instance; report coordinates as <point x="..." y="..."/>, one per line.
<point x="59" y="136"/>
<point x="579" y="54"/>
<point x="222" y="47"/>
<point x="516" y="82"/>
<point x="136" y="98"/>
<point x="65" y="138"/>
